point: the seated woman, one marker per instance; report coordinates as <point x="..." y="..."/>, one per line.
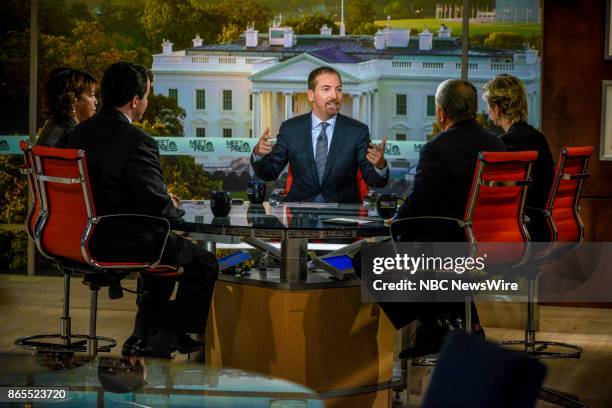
<point x="70" y="98"/>
<point x="505" y="95"/>
<point x="507" y="101"/>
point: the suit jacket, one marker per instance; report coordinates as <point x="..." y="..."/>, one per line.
<point x="56" y="131"/>
<point x="347" y="154"/>
<point x="125" y="175"/>
<point x="522" y="136"/>
<point x="444" y="174"/>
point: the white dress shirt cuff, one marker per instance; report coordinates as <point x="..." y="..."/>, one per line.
<point x="382" y="172"/>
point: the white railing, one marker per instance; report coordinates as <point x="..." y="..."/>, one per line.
<point x="227" y="60"/>
<point x="208" y="60"/>
<point x="367" y="67"/>
<point x="502" y="67"/>
<point x="253" y="60"/>
<point x="169" y="59"/>
<point x="401" y="64"/>
<point x="433" y="65"/>
<point x="451" y="69"/>
<point x="365" y="70"/>
<point x="471" y="67"/>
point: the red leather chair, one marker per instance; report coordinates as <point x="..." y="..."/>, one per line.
<point x="564" y="227"/>
<point x="27" y="168"/>
<point x="64" y="339"/>
<point x="564" y="231"/>
<point x="562" y="210"/>
<point x="494" y="211"/>
<point x="493" y="214"/>
<point x="66" y="222"/>
<point x="361" y="183"/>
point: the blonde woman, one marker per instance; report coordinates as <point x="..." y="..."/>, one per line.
<point x="505" y="95"/>
<point x="70" y="98"/>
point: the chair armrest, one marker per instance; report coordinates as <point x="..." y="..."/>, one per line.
<point x="426" y="229"/>
<point x="130" y="228"/>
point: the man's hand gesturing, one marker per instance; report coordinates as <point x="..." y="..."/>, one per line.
<point x="376" y="154"/>
<point x="264" y="146"/>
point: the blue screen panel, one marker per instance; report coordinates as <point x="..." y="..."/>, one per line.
<point x="342" y="262"/>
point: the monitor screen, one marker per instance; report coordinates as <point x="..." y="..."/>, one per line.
<point x="233" y="259"/>
<point x="342" y="262"/>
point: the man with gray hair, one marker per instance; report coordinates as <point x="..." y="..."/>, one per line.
<point x="446" y="163"/>
<point x="441" y="187"/>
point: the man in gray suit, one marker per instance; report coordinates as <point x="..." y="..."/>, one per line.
<point x="323" y="148"/>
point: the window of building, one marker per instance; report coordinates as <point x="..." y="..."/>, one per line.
<point x="173" y="94"/>
<point x="400" y="105"/>
<point x="227" y="132"/>
<point x="200" y="132"/>
<point x="200" y="99"/>
<point x="250" y="102"/>
<point x="400" y="136"/>
<point x="431" y="105"/>
<point x="227" y="99"/>
<point x="250" y="132"/>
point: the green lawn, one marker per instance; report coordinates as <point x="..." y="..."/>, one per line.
<point x="523" y="29"/>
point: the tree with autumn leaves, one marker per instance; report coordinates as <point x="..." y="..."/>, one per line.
<point x="77" y="35"/>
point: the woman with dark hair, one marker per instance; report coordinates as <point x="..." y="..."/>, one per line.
<point x="70" y="98"/>
<point x="506" y="97"/>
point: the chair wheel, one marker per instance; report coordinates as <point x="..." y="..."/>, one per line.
<point x="540" y="349"/>
<point x="55" y="343"/>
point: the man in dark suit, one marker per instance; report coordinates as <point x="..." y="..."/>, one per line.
<point x="126" y="178"/>
<point x="441" y="187"/>
<point x="324" y="148"/>
<point x="446" y="163"/>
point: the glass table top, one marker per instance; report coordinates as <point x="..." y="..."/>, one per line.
<point x="326" y="219"/>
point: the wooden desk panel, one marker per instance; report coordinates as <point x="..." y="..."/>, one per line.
<point x="326" y="339"/>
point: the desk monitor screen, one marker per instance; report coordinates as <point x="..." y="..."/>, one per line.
<point x="233" y="259"/>
<point x="342" y="262"/>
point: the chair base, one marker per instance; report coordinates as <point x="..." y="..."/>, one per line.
<point x="428" y="360"/>
<point x="560" y="398"/>
<point x="75" y="343"/>
<point x="537" y="349"/>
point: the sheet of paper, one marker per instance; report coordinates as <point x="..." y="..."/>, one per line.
<point x="348" y="220"/>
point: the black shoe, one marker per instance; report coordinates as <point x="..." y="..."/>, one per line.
<point x="428" y="339"/>
<point x="187" y="345"/>
<point x="163" y="344"/>
<point x="135" y="346"/>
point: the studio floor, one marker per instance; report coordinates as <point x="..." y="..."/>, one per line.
<point x="31" y="305"/>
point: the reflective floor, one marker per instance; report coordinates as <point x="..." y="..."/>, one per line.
<point x="109" y="381"/>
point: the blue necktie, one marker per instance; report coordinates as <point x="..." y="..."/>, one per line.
<point x="321" y="153"/>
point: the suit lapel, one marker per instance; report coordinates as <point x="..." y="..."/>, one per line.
<point x="308" y="147"/>
<point x="335" y="148"/>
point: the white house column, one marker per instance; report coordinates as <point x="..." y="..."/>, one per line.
<point x="374" y="123"/>
<point x="288" y="105"/>
<point x="268" y="107"/>
<point x="356" y="103"/>
<point x="367" y="107"/>
<point x="256" y="114"/>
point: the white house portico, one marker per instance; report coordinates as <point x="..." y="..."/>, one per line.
<point x="282" y="89"/>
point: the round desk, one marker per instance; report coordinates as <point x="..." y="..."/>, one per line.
<point x="297" y="322"/>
